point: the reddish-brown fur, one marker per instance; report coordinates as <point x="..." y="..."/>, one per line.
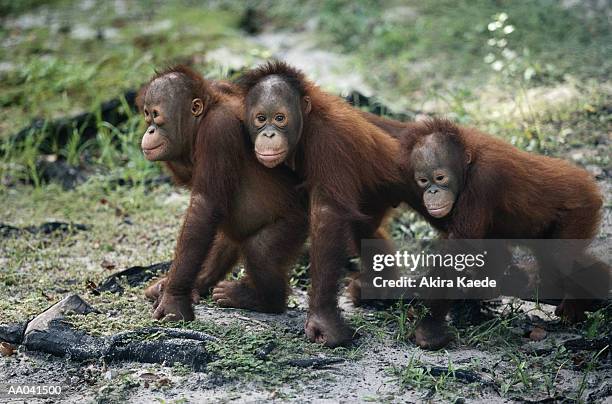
<point x="391" y="126"/>
<point x="237" y="208"/>
<point x="508" y="194"/>
<point x="350" y="169"/>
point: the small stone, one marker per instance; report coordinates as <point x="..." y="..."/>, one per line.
<point x="537" y="334"/>
<point x="110" y="374"/>
<point x="577" y="156"/>
<point x="70" y="304"/>
<point x="108" y="264"/>
<point x="595" y="171"/>
<point x="149" y="376"/>
<point x="12" y="333"/>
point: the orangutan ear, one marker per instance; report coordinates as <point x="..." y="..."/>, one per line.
<point x="197" y="107"/>
<point x="468" y="157"/>
<point x="306" y="105"/>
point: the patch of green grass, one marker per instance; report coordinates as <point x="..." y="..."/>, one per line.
<point x="114" y="152"/>
<point x="598" y="322"/>
<point x="424" y="45"/>
<point x="416" y="374"/>
<point x="238" y="356"/>
<point x="129" y="311"/>
<point x="591" y="364"/>
<point x="118" y="389"/>
<point x="39" y="269"/>
<point x="521" y="372"/>
<point x="397" y="322"/>
<point x="369" y="324"/>
<point x="56" y="70"/>
<point x="539" y="120"/>
<point x="497" y="332"/>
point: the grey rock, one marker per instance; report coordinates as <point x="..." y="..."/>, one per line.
<point x="12" y="333"/>
<point x="48" y="333"/>
<point x="68" y="305"/>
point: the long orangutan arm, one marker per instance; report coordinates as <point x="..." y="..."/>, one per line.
<point x="216" y="177"/>
<point x="330" y="233"/>
<point x="195" y="241"/>
<point x="392" y="126"/>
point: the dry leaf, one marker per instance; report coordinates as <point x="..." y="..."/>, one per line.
<point x="6" y="349"/>
<point x="92" y="287"/>
<point x="149" y="376"/>
<point x="106" y="264"/>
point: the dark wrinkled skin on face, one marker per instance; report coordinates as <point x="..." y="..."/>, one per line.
<point x="168" y="112"/>
<point x="274" y="120"/>
<point x="438" y="171"/>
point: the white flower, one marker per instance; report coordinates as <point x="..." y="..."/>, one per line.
<point x="502" y="42"/>
<point x="497" y="65"/>
<point x="502" y="17"/>
<point x="529" y="73"/>
<point x="492" y="26"/>
<point x="490" y="58"/>
<point x="508" y="54"/>
<point x="508" y="29"/>
<point x="491" y="42"/>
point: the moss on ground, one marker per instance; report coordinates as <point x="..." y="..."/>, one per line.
<point x="128" y="227"/>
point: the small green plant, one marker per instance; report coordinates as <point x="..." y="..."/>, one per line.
<point x="521" y="372"/>
<point x="413" y="374"/>
<point x="405" y="324"/>
<point x="21" y="158"/>
<point x="418" y="375"/>
<point x="591" y="364"/>
<point x="108" y="153"/>
<point x="75" y="148"/>
<point x="71" y="151"/>
<point x="495" y="332"/>
<point x="369" y="324"/>
<point x="598" y="322"/>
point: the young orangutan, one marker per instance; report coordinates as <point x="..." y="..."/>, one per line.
<point x="238" y="208"/>
<point x="349" y="166"/>
<point x="474" y="186"/>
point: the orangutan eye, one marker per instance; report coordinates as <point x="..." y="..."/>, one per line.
<point x="260" y="118"/>
<point x="440" y="177"/>
<point x="279" y="118"/>
<point x="422" y="181"/>
<point x="155" y="113"/>
<point x="146" y="111"/>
